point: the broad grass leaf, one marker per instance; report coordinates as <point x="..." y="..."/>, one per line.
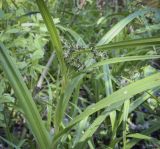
<point x="118" y="27"/>
<point x="119" y="96"/>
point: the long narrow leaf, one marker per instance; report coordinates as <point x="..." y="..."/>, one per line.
<point x="93" y="127"/>
<point x="131" y="43"/>
<point x="154" y="127"/>
<point x="123" y="44"/>
<point x="124" y="59"/>
<point x="63" y="102"/>
<point x="25" y="99"/>
<point x="55" y="39"/>
<point x="120" y="95"/>
<point x="118" y="27"/>
<point x="75" y="35"/>
<point x="125" y="117"/>
<point x="109" y="91"/>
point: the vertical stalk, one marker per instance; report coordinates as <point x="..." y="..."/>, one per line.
<point x="55" y="39"/>
<point x="56" y="43"/>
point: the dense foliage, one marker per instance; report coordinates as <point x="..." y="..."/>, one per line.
<point x="79" y="74"/>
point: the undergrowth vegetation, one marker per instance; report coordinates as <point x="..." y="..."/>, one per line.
<point x="79" y="74"/>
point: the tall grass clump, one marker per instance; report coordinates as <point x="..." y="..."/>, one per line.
<point x="90" y="89"/>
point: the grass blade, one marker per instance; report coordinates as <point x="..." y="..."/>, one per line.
<point x="131" y="43"/>
<point x="124" y="59"/>
<point x="93" y="127"/>
<point x="55" y="39"/>
<point x="125" y="117"/>
<point x="63" y="102"/>
<point x="25" y="99"/>
<point x="120" y="95"/>
<point x="118" y="27"/>
<point x="109" y="91"/>
<point x="154" y="127"/>
<point x="123" y="44"/>
<point x="75" y="35"/>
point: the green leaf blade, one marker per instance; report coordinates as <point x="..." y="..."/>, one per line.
<point x="25" y="99"/>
